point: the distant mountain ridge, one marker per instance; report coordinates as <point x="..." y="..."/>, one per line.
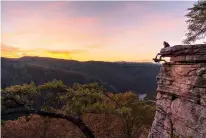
<point x="115" y="76"/>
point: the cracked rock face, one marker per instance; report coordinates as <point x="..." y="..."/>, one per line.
<point x="181" y="93"/>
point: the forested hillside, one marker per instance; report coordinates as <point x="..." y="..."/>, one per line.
<point x="114" y="76"/>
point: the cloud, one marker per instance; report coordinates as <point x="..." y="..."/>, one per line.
<point x="6" y="48"/>
<point x="74" y="51"/>
<point x="12" y="34"/>
<point x="62" y="32"/>
<point x="122" y="30"/>
<point x="55" y="5"/>
<point x="13" y="52"/>
<point x="94" y="46"/>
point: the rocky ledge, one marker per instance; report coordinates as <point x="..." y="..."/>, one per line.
<point x="185" y="53"/>
<point x="181" y="94"/>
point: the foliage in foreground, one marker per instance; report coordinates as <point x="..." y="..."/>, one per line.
<point x="107" y="114"/>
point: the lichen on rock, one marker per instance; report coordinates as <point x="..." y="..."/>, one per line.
<point x="181" y="93"/>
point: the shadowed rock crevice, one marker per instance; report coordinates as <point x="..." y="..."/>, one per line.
<point x="181" y="93"/>
<point x="174" y="97"/>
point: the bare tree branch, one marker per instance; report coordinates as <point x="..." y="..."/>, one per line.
<point x="75" y="120"/>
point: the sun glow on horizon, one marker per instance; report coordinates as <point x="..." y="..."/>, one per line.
<point x="67" y="55"/>
<point x="101" y="31"/>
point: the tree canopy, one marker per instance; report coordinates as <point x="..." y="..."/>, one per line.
<point x="56" y="100"/>
<point x="196" y="22"/>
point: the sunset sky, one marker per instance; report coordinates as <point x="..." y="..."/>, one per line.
<point x="103" y="31"/>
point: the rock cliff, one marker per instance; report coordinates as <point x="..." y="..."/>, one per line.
<point x="181" y="93"/>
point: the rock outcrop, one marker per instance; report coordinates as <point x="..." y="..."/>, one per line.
<point x="181" y="93"/>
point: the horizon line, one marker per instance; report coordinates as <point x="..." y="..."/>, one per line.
<point x="140" y="61"/>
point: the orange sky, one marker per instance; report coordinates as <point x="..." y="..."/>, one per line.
<point x="104" y="31"/>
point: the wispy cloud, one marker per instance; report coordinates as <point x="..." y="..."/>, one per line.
<point x="55" y="5"/>
<point x="13" y="52"/>
<point x="122" y="30"/>
<point x="6" y="48"/>
<point x="94" y="46"/>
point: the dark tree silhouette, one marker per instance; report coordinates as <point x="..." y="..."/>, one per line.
<point x="196" y="22"/>
<point x="76" y="121"/>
